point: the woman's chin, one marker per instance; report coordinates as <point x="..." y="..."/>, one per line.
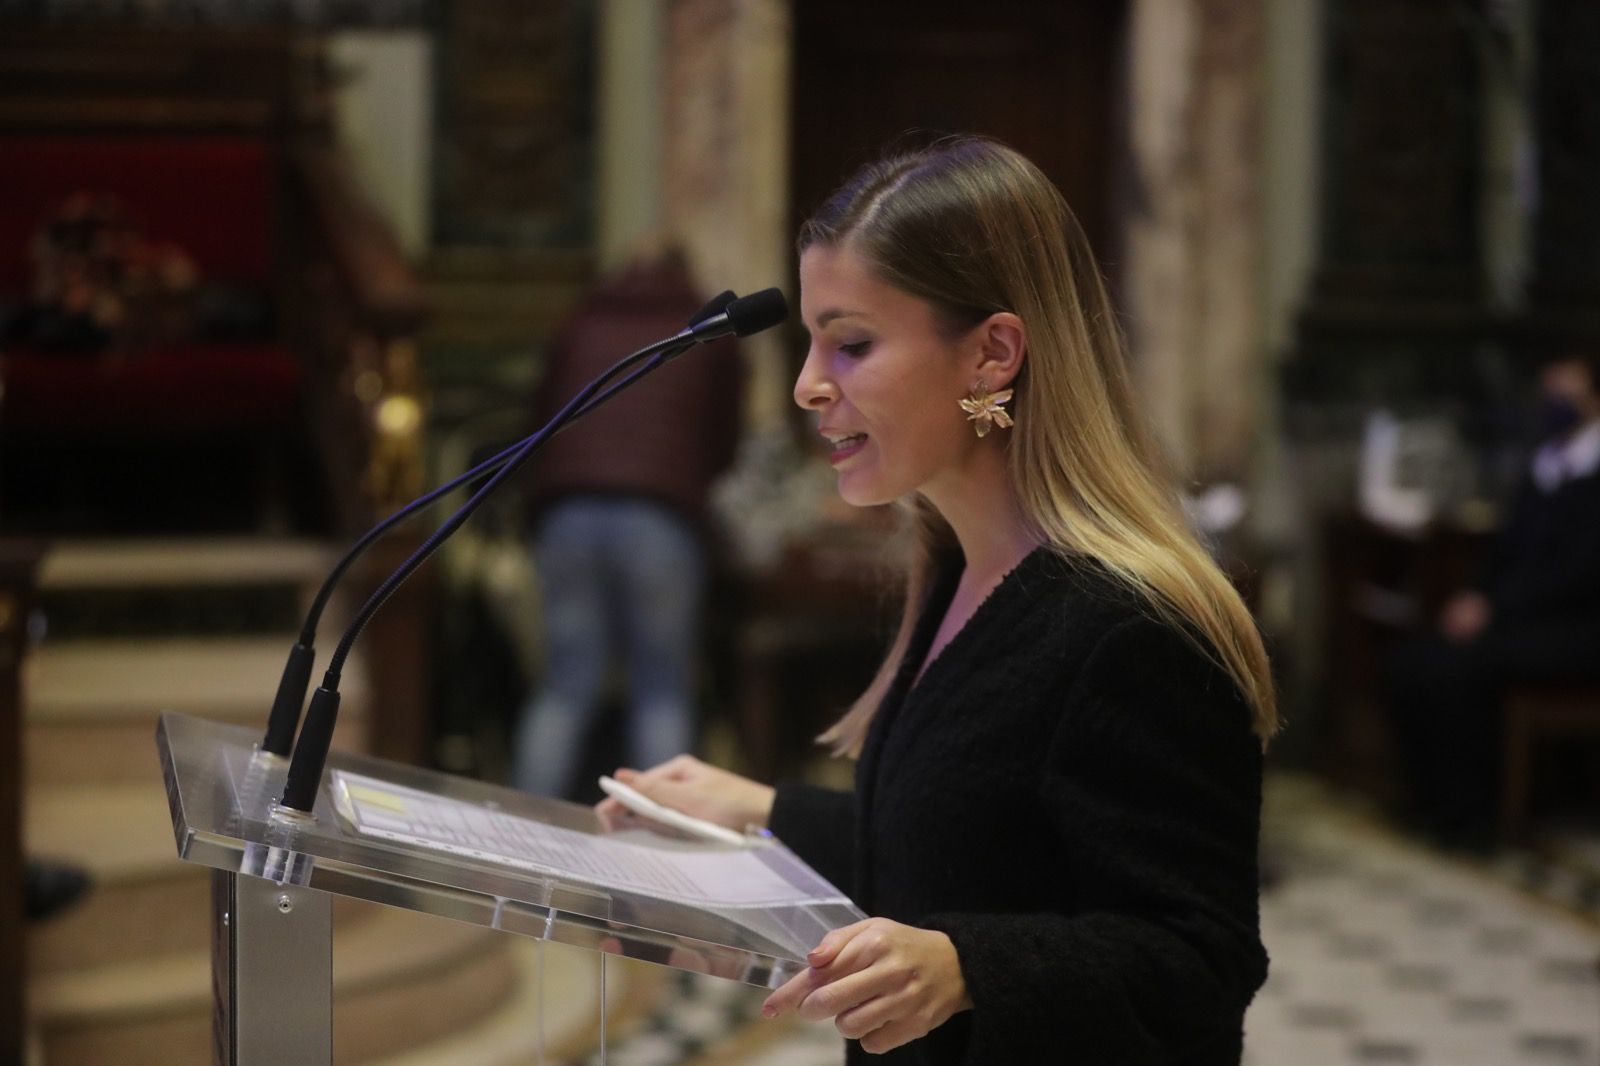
<point x="860" y="492"/>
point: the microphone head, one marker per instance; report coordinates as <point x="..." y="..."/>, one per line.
<point x="758" y="311"/>
<point x="714" y="306"/>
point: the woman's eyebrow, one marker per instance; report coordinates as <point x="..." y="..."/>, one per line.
<point x="828" y="316"/>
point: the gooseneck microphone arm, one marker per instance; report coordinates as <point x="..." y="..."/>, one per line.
<point x="745" y="316"/>
<point x="316" y="735"/>
<point x="284" y="718"/>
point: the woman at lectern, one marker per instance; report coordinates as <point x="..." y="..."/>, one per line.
<point x="1058" y="776"/>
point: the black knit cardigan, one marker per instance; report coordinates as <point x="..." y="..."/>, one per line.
<point x="1072" y="793"/>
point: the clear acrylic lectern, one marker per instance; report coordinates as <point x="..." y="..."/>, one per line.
<point x="458" y="848"/>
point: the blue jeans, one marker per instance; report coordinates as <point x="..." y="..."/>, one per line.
<point x="616" y="575"/>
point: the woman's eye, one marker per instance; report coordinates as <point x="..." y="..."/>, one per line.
<point x="856" y="350"/>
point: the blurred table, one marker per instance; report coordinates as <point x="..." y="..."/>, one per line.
<point x="1379" y="588"/>
<point x="816" y="624"/>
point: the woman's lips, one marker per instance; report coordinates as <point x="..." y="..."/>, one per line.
<point x="845" y="448"/>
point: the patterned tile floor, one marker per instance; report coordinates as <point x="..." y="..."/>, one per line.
<point x="1387" y="952"/>
<point x="1384" y="952"/>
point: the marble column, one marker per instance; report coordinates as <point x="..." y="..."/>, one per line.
<point x="726" y="163"/>
<point x="1191" y="277"/>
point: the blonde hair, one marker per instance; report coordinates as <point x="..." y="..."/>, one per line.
<point x="972" y="227"/>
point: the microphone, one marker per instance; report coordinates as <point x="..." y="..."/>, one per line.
<point x="714" y="306"/>
<point x="284" y="717"/>
<point x="742" y="316"/>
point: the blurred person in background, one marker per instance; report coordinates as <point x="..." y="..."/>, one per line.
<point x="1533" y="617"/>
<point x="1058" y="767"/>
<point x="620" y="526"/>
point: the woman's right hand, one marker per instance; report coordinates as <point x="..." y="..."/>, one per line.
<point x="698" y="789"/>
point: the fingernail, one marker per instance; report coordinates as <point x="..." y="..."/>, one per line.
<point x="813" y="956"/>
<point x="769" y="1011"/>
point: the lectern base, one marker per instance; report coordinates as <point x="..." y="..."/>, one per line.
<point x="272" y="975"/>
<point x="271" y="971"/>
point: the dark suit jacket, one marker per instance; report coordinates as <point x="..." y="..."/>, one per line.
<point x="1546" y="561"/>
<point x="1072" y="793"/>
<point x="1542" y="574"/>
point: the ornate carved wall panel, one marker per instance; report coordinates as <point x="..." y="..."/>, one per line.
<point x="1401" y="143"/>
<point x="1040" y="75"/>
<point x="1567" y="100"/>
<point x="1398" y="312"/>
<point x="515" y="123"/>
<point x="315" y="13"/>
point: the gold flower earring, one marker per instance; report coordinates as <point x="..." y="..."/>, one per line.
<point x="984" y="410"/>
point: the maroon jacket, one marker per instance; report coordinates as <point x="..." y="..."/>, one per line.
<point x="667" y="437"/>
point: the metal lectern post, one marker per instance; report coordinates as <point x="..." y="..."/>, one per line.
<point x="272" y="972"/>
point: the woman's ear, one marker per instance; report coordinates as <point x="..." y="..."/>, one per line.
<point x="1002" y="346"/>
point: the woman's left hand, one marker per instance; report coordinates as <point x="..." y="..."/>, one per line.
<point x="884" y="983"/>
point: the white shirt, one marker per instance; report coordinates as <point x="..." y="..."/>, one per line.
<point x="1562" y="461"/>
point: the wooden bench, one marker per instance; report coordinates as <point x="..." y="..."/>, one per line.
<point x="1534" y="716"/>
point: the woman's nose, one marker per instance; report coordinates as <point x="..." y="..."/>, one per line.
<point x="812" y="389"/>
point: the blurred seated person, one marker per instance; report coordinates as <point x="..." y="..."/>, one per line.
<point x="621" y="535"/>
<point x="1534" y="618"/>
